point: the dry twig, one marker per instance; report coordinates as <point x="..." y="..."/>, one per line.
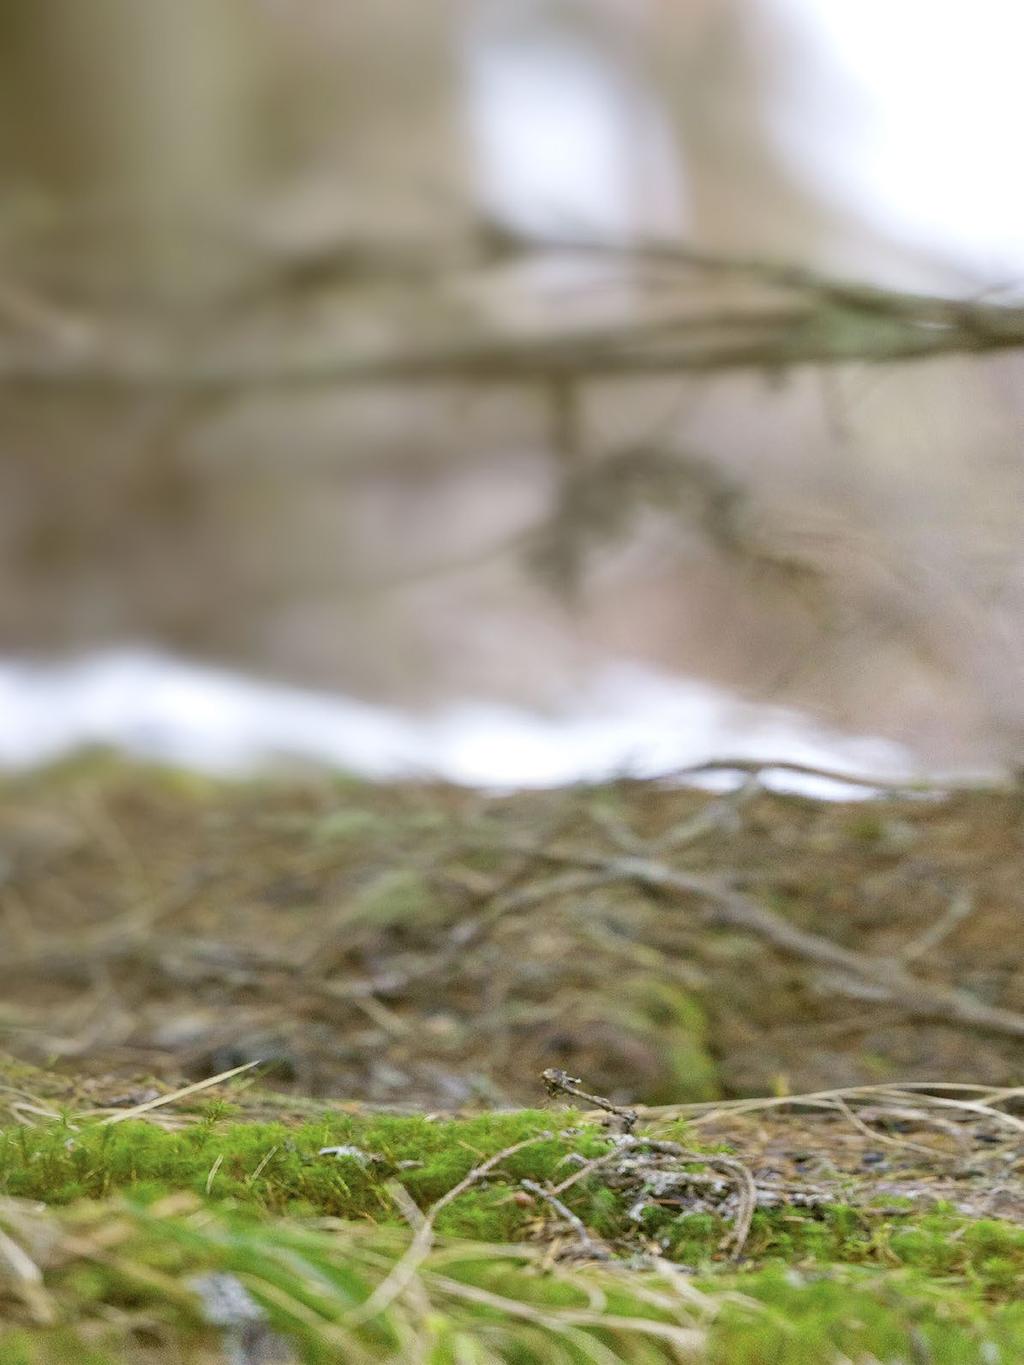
<point x="557" y="1082"/>
<point x="587" y="1246"/>
<point x="731" y="908"/>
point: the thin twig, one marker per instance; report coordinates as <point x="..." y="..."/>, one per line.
<point x="816" y="321"/>
<point x="873" y="1135"/>
<point x="587" y="1244"/>
<point x="756" y="768"/>
<point x="746" y="1189"/>
<point x="907" y="1093"/>
<point x="746" y="1194"/>
<point x="958" y="910"/>
<point x="557" y="1082"/>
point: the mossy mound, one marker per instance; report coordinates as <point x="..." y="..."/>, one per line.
<point x="347" y="1167"/>
<point x="337" y="1166"/>
<point x="127" y="1281"/>
<point x="202" y="1236"/>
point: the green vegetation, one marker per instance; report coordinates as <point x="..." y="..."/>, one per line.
<point x="135" y="1216"/>
<point x="123" y="1272"/>
<point x="128" y="1276"/>
<point x="986" y="1254"/>
<point x="828" y="1314"/>
<point x="271" y="1167"/>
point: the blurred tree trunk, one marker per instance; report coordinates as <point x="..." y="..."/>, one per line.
<point x="727" y="71"/>
<point x="125" y="139"/>
<point x="124" y="133"/>
<point x="153" y="157"/>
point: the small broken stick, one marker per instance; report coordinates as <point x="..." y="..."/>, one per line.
<point x="558" y="1082"/>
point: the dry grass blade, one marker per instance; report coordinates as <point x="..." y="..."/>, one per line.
<point x="24" y="1276"/>
<point x="874" y="1135"/>
<point x="897" y="1101"/>
<point x="966" y="1107"/>
<point x="405" y="1269"/>
<point x="175" y="1095"/>
<point x="959" y="908"/>
<point x="689" y="1340"/>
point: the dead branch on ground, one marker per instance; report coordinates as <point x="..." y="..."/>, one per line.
<point x="729" y="908"/>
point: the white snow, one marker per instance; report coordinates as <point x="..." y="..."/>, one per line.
<point x="629" y="721"/>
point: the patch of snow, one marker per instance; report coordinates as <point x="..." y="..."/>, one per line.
<point x="629" y="721"/>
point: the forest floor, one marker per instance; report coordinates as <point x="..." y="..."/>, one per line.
<point x="816" y="1009"/>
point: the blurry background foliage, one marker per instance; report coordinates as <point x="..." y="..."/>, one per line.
<point x="286" y="379"/>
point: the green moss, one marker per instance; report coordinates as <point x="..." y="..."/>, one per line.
<point x="271" y="1167"/>
<point x="54" y="1346"/>
<point x="834" y="1314"/>
<point x="868" y="826"/>
<point x="128" y="1272"/>
<point x="100" y="767"/>
<point x="986" y="1254"/>
<point x="275" y="1167"/>
<point x="347" y="823"/>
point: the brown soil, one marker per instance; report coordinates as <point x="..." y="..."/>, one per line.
<point x="418" y="945"/>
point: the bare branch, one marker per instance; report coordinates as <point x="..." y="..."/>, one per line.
<point x="783" y="316"/>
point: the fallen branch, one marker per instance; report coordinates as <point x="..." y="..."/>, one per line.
<point x="729" y="908"/>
